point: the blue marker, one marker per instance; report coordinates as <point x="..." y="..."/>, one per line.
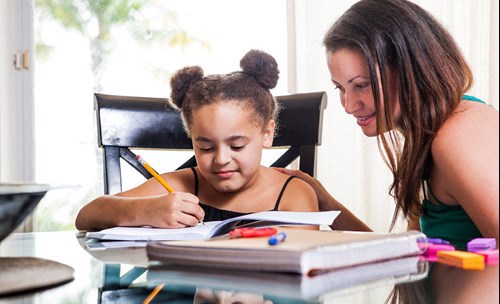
<point x="277" y="238"/>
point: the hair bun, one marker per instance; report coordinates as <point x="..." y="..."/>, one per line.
<point x="262" y="66"/>
<point x="181" y="81"/>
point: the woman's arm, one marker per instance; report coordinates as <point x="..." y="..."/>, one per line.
<point x="346" y="220"/>
<point x="465" y="164"/>
<point x="414" y="223"/>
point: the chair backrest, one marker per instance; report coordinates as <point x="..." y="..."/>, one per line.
<point x="126" y="122"/>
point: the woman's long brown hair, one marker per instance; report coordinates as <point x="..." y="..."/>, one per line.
<point x="402" y="40"/>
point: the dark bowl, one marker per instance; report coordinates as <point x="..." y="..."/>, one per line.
<point x="17" y="201"/>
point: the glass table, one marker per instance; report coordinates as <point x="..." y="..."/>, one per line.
<point x="123" y="275"/>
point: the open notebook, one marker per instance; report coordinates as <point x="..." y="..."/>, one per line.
<point x="296" y="286"/>
<point x="216" y="228"/>
<point x="303" y="251"/>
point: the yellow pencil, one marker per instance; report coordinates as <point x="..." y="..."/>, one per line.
<point x="153" y="293"/>
<point x="155" y="175"/>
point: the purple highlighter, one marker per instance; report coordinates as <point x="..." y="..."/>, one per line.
<point x="437" y="241"/>
<point x="481" y="244"/>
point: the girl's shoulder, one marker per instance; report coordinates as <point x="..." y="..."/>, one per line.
<point x="297" y="194"/>
<point x="279" y="178"/>
<point x="182" y="180"/>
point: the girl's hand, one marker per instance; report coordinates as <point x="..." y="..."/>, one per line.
<point x="173" y="210"/>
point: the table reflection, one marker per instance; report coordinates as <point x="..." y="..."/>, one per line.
<point x="122" y="276"/>
<point x="209" y="296"/>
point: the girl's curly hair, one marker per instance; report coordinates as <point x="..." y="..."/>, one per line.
<point x="190" y="89"/>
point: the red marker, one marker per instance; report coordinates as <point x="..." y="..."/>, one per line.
<point x="249" y="232"/>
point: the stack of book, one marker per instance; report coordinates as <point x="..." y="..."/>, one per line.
<point x="304" y="252"/>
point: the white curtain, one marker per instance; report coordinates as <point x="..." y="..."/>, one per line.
<point x="349" y="164"/>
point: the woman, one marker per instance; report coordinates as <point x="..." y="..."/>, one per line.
<point x="404" y="79"/>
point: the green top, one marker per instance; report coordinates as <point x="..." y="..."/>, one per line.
<point x="446" y="222"/>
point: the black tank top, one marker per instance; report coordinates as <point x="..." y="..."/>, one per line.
<point x="216" y="214"/>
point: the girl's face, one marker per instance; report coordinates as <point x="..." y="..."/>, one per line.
<point x="350" y="75"/>
<point x="228" y="144"/>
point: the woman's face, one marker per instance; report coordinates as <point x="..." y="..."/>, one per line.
<point x="350" y="75"/>
<point x="228" y="144"/>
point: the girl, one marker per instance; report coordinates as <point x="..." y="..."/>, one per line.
<point x="230" y="119"/>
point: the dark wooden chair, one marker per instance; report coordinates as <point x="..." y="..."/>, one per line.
<point x="125" y="123"/>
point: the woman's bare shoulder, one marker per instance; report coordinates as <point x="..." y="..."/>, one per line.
<point x="472" y="124"/>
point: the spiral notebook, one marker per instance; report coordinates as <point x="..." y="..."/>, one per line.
<point x="304" y="251"/>
<point x="295" y="286"/>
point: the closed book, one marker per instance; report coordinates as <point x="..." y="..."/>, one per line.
<point x="303" y="251"/>
<point x="287" y="285"/>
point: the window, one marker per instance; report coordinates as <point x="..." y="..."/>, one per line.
<point x="136" y="55"/>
